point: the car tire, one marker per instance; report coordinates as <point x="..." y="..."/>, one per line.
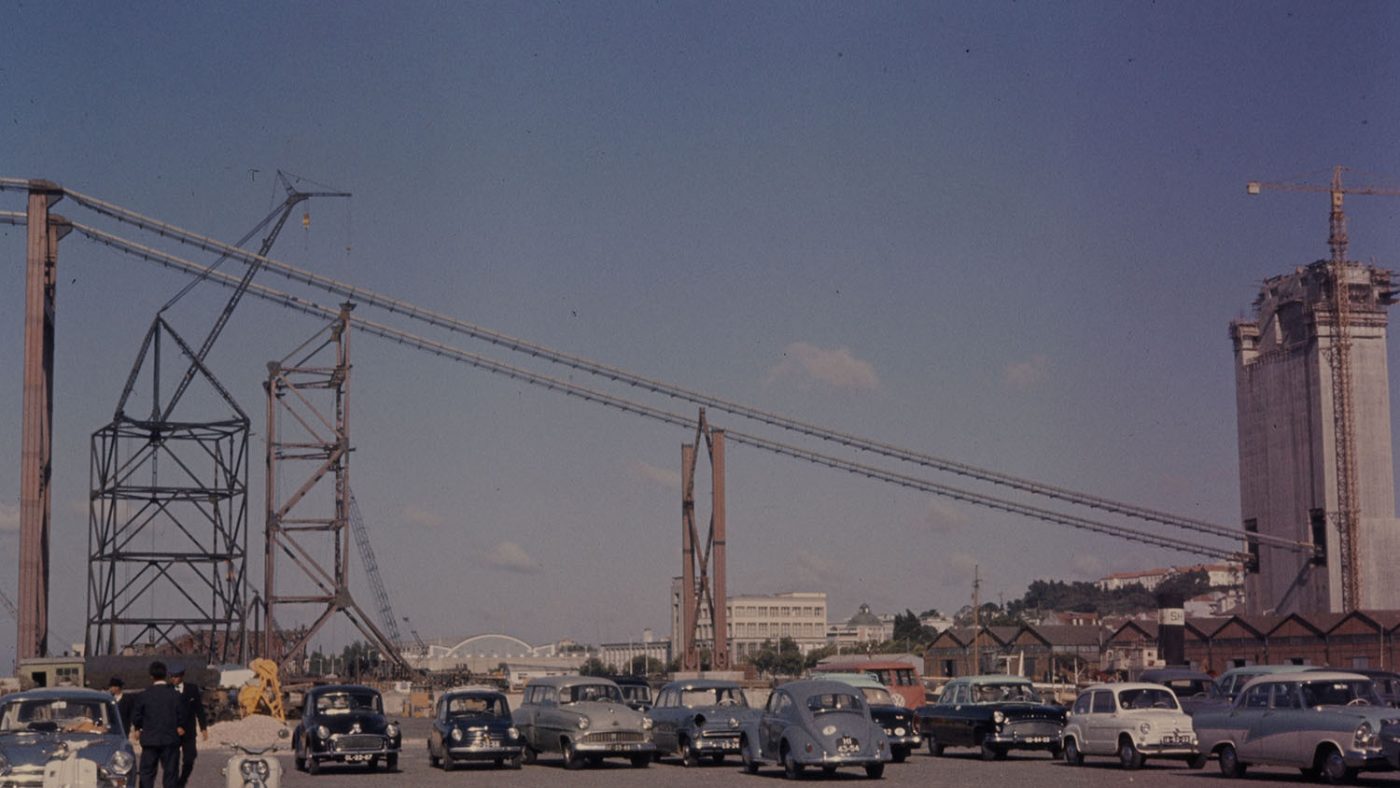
<point x="689" y="758"/>
<point x="391" y="762"/>
<point x="448" y="764"/>
<point x="792" y="770"/>
<point x="641" y="761"/>
<point x="899" y="754"/>
<point x="1333" y="768"/>
<point x="313" y="766"/>
<point x="935" y="747"/>
<point x="527" y="754"/>
<point x="1129" y="757"/>
<point x="513" y="762"/>
<point x="746" y="755"/>
<point x="874" y="770"/>
<point x="1230" y="765"/>
<point x="990" y="752"/>
<point x="1073" y="756"/>
<point x="572" y="760"/>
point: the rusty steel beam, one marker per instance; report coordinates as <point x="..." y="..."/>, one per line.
<point x="36" y="443"/>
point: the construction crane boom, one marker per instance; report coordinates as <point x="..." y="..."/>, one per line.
<point x="1348" y="513"/>
<point x="376" y="582"/>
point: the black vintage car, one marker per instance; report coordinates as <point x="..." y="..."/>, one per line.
<point x="993" y="713"/>
<point x="1194" y="690"/>
<point x="345" y="723"/>
<point x="473" y="724"/>
<point x="636" y="692"/>
<point x="885" y="708"/>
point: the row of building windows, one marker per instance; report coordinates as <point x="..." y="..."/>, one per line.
<point x="777" y="611"/>
<point x="765" y="629"/>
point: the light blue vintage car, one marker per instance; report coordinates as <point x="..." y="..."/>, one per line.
<point x="77" y="732"/>
<point x="701" y="718"/>
<point x="1327" y="724"/>
<point x="824" y="724"/>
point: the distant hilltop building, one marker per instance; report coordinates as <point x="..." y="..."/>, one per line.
<point x="1217" y="575"/>
<point x="1283" y="393"/>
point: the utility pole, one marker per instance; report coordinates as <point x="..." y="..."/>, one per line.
<point x="976" y="619"/>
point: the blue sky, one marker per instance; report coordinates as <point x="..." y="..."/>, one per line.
<point x="1011" y="234"/>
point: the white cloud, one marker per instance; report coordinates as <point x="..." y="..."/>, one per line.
<point x="511" y="557"/>
<point x="417" y="515"/>
<point x="814" y="568"/>
<point x="944" y="517"/>
<point x="834" y="367"/>
<point x="1027" y="373"/>
<point x="9" y="517"/>
<point x="670" y="479"/>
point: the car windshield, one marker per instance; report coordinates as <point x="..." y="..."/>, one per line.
<point x="1146" y="699"/>
<point x="1020" y="692"/>
<point x="878" y="696"/>
<point x="833" y="701"/>
<point x="595" y="693"/>
<point x="1356" y="692"/>
<point x="54" y="715"/>
<point x="636" y="692"/>
<point x="333" y="703"/>
<point x="1193" y="688"/>
<point x="715" y="696"/>
<point x="477" y="706"/>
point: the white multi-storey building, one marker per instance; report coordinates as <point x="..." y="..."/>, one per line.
<point x="753" y="619"/>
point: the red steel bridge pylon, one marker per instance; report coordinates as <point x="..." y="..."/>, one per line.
<point x="699" y="596"/>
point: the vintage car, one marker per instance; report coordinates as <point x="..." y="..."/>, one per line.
<point x="473" y="724"/>
<point x="701" y="718"/>
<point x="636" y="692"/>
<point x="994" y="713"/>
<point x="1386" y="683"/>
<point x="1327" y="724"/>
<point x="1234" y="679"/>
<point x="899" y="677"/>
<point x="78" y="731"/>
<point x="584" y="719"/>
<point x="345" y="723"/>
<point x="1132" y="721"/>
<point x="825" y="724"/>
<point x="1194" y="689"/>
<point x="888" y="711"/>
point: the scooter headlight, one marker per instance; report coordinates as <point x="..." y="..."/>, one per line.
<point x="247" y="770"/>
<point x="264" y="770"/>
<point x="120" y="762"/>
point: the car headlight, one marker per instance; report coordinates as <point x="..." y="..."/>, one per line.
<point x="322" y="732"/>
<point x="392" y="730"/>
<point x="647" y="723"/>
<point x="1145" y="728"/>
<point x="583" y="723"/>
<point x="120" y="762"/>
<point x="456" y="734"/>
<point x="733" y="723"/>
<point x="1366" y="737"/>
<point x="513" y="732"/>
<point x="829" y="730"/>
<point x="998" y="717"/>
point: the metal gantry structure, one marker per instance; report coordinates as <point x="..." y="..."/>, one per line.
<point x="323" y="448"/>
<point x="703" y="584"/>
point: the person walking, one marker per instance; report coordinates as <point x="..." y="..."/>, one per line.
<point x="193" y="698"/>
<point x="160" y="718"/>
<point x="125" y="702"/>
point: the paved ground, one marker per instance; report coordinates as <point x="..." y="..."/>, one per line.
<point x="960" y="768"/>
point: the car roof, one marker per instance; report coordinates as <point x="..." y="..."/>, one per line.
<point x="569" y="681"/>
<point x="1170" y="674"/>
<point x="992" y="679"/>
<point x="861" y="664"/>
<point x="700" y="684"/>
<point x="60" y="693"/>
<point x="1313" y="675"/>
<point x="1264" y="670"/>
<point x="631" y="681"/>
<point x="476" y="690"/>
<point x="809" y="687"/>
<point x="326" y="688"/>
<point x="1117" y="686"/>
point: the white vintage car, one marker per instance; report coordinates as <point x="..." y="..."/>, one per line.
<point x="1131" y="721"/>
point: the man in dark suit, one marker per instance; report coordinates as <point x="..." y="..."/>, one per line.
<point x="125" y="702"/>
<point x="193" y="697"/>
<point x="160" y="717"/>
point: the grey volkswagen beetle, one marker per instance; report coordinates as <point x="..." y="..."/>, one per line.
<point x="1327" y="724"/>
<point x="585" y="719"/>
<point x="825" y="724"/>
<point x="63" y="724"/>
<point x="701" y="718"/>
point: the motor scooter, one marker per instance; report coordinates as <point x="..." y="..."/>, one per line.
<point x="252" y="767"/>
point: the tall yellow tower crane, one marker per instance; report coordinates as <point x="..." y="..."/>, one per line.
<point x="1348" y="514"/>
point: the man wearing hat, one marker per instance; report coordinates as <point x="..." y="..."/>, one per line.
<point x="193" y="698"/>
<point x="160" y="718"/>
<point x="124" y="702"/>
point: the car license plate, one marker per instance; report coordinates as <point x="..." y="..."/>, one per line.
<point x="357" y="758"/>
<point x="728" y="744"/>
<point x="1036" y="739"/>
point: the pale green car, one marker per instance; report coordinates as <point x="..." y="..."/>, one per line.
<point x="1327" y="724"/>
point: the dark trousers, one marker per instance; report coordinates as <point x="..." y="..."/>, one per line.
<point x="166" y="758"/>
<point x="188" y="752"/>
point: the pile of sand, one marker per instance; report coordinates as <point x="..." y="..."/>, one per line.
<point x="257" y="731"/>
